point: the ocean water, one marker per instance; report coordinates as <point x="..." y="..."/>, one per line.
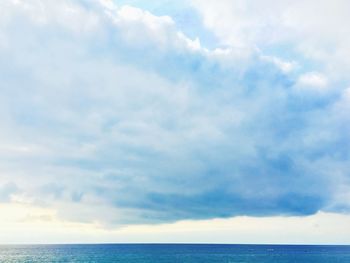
<point x="173" y="253"/>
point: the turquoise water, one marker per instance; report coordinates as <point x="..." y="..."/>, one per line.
<point x="173" y="253"/>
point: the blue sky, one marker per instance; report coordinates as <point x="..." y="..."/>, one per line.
<point x="126" y="112"/>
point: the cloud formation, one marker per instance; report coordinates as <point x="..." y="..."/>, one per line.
<point x="111" y="113"/>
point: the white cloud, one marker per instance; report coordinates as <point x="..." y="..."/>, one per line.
<point x="242" y="23"/>
<point x="313" y="80"/>
<point x="285" y="66"/>
<point x="316" y="29"/>
<point x="140" y="26"/>
<point x="65" y="13"/>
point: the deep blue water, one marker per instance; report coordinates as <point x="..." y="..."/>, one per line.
<point x="173" y="253"/>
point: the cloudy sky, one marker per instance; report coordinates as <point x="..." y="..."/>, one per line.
<point x="175" y="121"/>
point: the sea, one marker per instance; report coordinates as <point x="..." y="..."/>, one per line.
<point x="175" y="253"/>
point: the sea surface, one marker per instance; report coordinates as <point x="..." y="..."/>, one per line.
<point x="173" y="253"/>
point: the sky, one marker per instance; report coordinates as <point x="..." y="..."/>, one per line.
<point x="194" y="121"/>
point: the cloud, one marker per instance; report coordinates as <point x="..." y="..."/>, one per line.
<point x="285" y="66"/>
<point x="313" y="80"/>
<point x="311" y="29"/>
<point x="125" y="119"/>
<point x="36" y="225"/>
<point x="6" y="191"/>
